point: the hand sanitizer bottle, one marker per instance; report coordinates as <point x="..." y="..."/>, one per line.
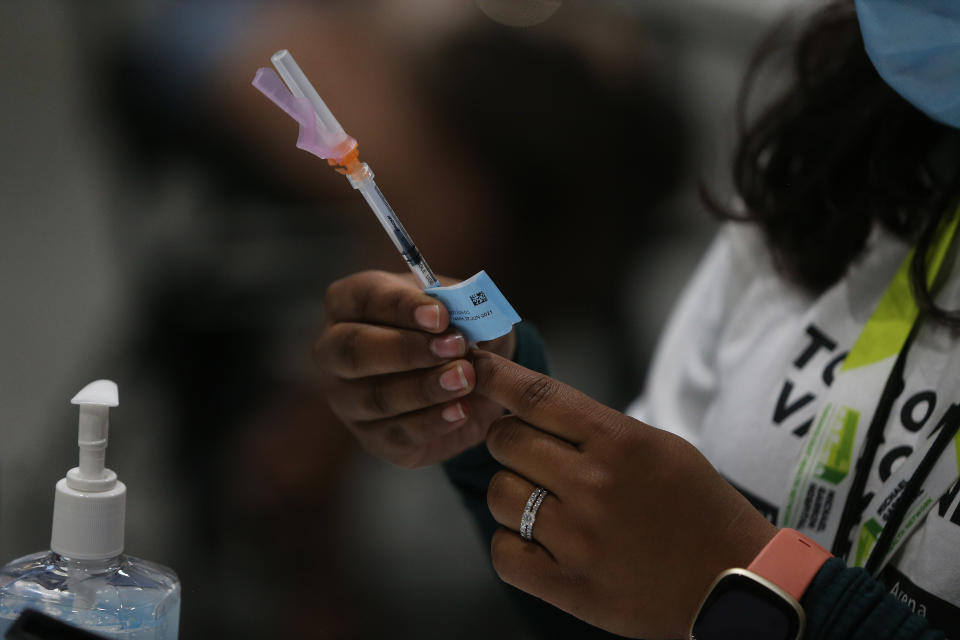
<point x="85" y="579"/>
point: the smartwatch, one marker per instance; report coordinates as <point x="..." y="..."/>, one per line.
<point x="762" y="602"/>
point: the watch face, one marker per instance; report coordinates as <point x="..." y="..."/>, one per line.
<point x="742" y="605"/>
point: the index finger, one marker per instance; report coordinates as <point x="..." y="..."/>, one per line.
<point x="378" y="297"/>
<point x="547" y="404"/>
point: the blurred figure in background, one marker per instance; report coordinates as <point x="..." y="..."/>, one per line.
<point x="216" y="238"/>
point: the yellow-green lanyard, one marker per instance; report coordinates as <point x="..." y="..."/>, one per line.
<point x="824" y="499"/>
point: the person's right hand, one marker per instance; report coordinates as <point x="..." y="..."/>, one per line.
<point x="396" y="376"/>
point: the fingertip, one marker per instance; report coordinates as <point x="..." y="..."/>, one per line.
<point x="432" y="317"/>
<point x="452" y="345"/>
<point x="457" y="378"/>
<point x="469" y="374"/>
<point x="454" y="415"/>
<point x="444" y="319"/>
<point x="427" y="316"/>
<point x="482" y="354"/>
<point x="478" y="357"/>
<point x="484" y="365"/>
<point x="455" y="412"/>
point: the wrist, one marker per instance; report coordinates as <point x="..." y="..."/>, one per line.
<point x="734" y="545"/>
<point x="762" y="601"/>
<point x="752" y="532"/>
<point x="790" y="560"/>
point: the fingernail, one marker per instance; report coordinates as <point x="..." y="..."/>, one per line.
<point x="428" y="316"/>
<point x="453" y="379"/>
<point x="453" y="413"/>
<point x="449" y="346"/>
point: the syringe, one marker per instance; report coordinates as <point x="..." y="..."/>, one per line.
<point x="401" y="239"/>
<point x="323" y="136"/>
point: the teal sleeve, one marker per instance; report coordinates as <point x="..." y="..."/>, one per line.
<point x="530" y="351"/>
<point x="847" y="604"/>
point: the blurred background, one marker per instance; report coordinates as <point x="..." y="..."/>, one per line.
<point x="158" y="227"/>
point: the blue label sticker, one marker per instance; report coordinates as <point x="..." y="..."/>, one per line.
<point x="477" y="308"/>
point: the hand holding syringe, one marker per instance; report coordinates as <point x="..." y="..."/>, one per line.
<point x="476" y="306"/>
<point x="323" y="136"/>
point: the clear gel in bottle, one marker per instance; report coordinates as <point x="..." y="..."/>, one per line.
<point x="85" y="579"/>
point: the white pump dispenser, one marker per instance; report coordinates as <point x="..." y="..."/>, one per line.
<point x="89" y="504"/>
<point x="85" y="579"/>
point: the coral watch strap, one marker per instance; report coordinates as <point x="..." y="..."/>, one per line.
<point x="790" y="560"/>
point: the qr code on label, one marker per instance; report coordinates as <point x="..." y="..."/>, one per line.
<point x="478" y="298"/>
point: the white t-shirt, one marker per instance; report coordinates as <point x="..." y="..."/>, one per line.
<point x="746" y="359"/>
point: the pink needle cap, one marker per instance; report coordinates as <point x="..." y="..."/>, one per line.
<point x="300" y="109"/>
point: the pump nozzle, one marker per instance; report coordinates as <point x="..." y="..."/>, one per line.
<point x="95" y="401"/>
<point x="90" y="503"/>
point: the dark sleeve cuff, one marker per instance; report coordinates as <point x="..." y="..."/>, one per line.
<point x="530" y="351"/>
<point x="847" y="604"/>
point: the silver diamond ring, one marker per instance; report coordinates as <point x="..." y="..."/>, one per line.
<point x="530" y="513"/>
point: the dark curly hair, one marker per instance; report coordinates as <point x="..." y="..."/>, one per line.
<point x="836" y="153"/>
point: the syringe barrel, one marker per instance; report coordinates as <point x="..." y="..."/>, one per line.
<point x="394" y="228"/>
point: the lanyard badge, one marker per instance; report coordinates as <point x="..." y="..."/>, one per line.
<point x="818" y="502"/>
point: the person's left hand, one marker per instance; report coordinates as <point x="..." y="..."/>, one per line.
<point x="637" y="523"/>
